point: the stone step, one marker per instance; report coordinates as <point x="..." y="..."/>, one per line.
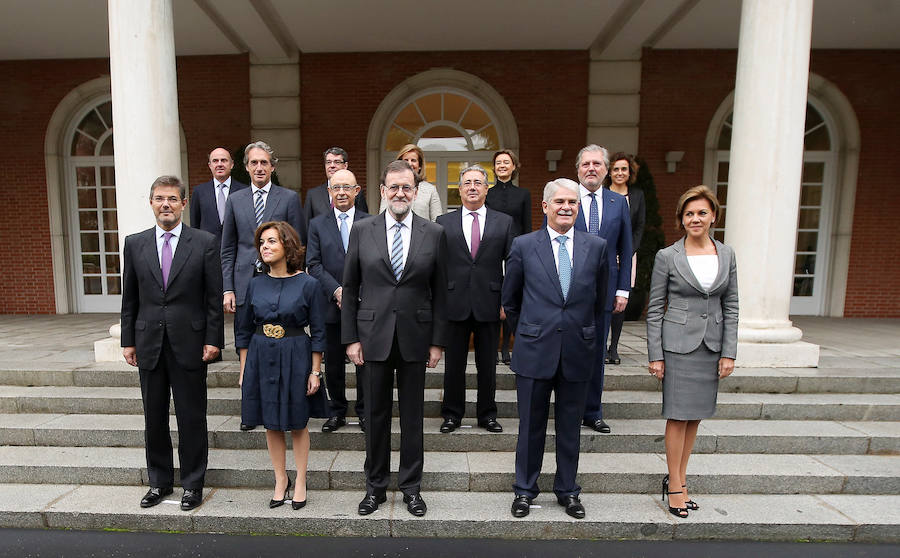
<point x="477" y="471"/>
<point x="718" y="436"/>
<point x="616" y="404"/>
<point x="831" y="517"/>
<point x="632" y="377"/>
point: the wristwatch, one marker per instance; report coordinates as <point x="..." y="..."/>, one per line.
<point x="317" y="373"/>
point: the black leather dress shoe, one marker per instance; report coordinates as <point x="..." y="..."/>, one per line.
<point x="191" y="499"/>
<point x="370" y="503"/>
<point x="246" y="427"/>
<point x="521" y="506"/>
<point x="155" y="496"/>
<point x="573" y="506"/>
<point x="333" y="424"/>
<point x="415" y="504"/>
<point x="597" y="425"/>
<point x="491" y="425"/>
<point x="449" y="425"/>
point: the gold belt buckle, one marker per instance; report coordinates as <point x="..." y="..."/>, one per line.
<point x="275" y="331"/>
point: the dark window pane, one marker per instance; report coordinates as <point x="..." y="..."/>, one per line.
<point x="811" y="195"/>
<point x="107" y="147"/>
<point x="804" y="264"/>
<point x="720" y="221"/>
<point x="723" y="172"/>
<point x="722" y="194"/>
<point x="92" y="125"/>
<point x="83" y="145"/>
<point x="114" y="285"/>
<point x="110" y="221"/>
<point x="817" y="140"/>
<point x="809" y="219"/>
<point x="93" y="285"/>
<point x="111" y="241"/>
<point x="105" y="111"/>
<point x="813" y="173"/>
<point x="803" y="286"/>
<point x="90" y="242"/>
<point x="109" y="198"/>
<point x="87" y="199"/>
<point x="85" y="177"/>
<point x="90" y="263"/>
<point x="807" y="241"/>
<point x="112" y="263"/>
<point x="87" y="220"/>
<point x="725" y="138"/>
<point x="719" y="235"/>
<point x="813" y="118"/>
<point x="107" y="176"/>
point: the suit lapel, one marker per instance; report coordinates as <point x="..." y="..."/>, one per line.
<point x="724" y="266"/>
<point x="545" y="254"/>
<point x="182" y="252"/>
<point x="684" y="268"/>
<point x="379" y="234"/>
<point x="273" y="199"/>
<point x="151" y="255"/>
<point x="415" y="242"/>
<point x="456" y="232"/>
<point x="489" y="233"/>
<point x="610" y="211"/>
<point x="579" y="221"/>
<point x="580" y="256"/>
<point x="333" y="232"/>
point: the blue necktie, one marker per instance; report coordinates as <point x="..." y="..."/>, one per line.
<point x="397" y="252"/>
<point x="345" y="231"/>
<point x="565" y="266"/>
<point x="594" y="224"/>
<point x="259" y="206"/>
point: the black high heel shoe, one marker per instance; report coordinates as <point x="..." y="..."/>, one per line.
<point x="677" y="512"/>
<point x="297" y="505"/>
<point x="690" y="504"/>
<point x="277" y="503"/>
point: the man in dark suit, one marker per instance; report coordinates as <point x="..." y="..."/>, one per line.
<point x="393" y="319"/>
<point x="318" y="200"/>
<point x="605" y="214"/>
<point x="329" y="238"/>
<point x="478" y="241"/>
<point x="554" y="292"/>
<point x="208" y="200"/>
<point x="245" y="210"/>
<point x="172" y="326"/>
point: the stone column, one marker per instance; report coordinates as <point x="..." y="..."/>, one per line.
<point x="275" y="113"/>
<point x="145" y="116"/>
<point x="764" y="178"/>
<point x="144" y="103"/>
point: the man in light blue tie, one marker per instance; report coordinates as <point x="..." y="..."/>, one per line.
<point x="554" y="295"/>
<point x="207" y="204"/>
<point x="329" y="237"/>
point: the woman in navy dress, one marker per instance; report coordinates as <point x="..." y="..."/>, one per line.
<point x="280" y="364"/>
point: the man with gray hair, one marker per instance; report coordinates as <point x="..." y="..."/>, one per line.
<point x="604" y="213"/>
<point x="245" y="210"/>
<point x="554" y="296"/>
<point x="478" y="241"/>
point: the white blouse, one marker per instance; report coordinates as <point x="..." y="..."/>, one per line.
<point x="705" y="269"/>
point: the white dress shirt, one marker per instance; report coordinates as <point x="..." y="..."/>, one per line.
<point x="173" y="242"/>
<point x="570" y="246"/>
<point x="350" y="213"/>
<point x="405" y="232"/>
<point x="467" y="223"/>
<point x="225" y="185"/>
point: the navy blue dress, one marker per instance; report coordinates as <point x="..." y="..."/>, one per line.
<point x="273" y="392"/>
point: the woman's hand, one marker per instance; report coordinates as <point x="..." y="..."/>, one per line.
<point x="312" y="384"/>
<point x="726" y="367"/>
<point x="658" y="368"/>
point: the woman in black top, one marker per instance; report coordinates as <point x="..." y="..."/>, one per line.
<point x="508" y="198"/>
<point x="621" y="177"/>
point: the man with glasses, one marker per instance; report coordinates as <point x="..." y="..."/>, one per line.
<point x="478" y="241"/>
<point x="318" y="200"/>
<point x="393" y="321"/>
<point x="329" y="237"/>
<point x="244" y="212"/>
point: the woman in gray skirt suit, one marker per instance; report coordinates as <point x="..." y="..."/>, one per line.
<point x="692" y="323"/>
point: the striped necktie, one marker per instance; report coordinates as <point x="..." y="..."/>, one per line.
<point x="565" y="266"/>
<point x="259" y="206"/>
<point x="397" y="252"/>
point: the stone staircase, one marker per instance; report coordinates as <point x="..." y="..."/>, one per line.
<point x="793" y="454"/>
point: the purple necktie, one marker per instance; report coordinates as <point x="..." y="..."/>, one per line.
<point x="476" y="235"/>
<point x="166" y="258"/>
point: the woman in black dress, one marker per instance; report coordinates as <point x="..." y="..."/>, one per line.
<point x="280" y="364"/>
<point x="508" y="198"/>
<point x="621" y="177"/>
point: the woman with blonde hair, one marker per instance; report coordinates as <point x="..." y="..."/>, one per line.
<point x="427" y="203"/>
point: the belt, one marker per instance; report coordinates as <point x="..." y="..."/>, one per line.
<point x="277" y="331"/>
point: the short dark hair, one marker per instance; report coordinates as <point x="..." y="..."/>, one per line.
<point x="512" y="155"/>
<point x="168" y="180"/>
<point x="336" y="151"/>
<point x="700" y="192"/>
<point x="399" y="166"/>
<point x="294" y="252"/>
<point x="632" y="168"/>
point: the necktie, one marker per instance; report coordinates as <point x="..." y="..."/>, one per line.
<point x="345" y="231"/>
<point x="166" y="258"/>
<point x="220" y="203"/>
<point x="565" y="266"/>
<point x="594" y="225"/>
<point x="476" y="235"/>
<point x="397" y="252"/>
<point x="259" y="206"/>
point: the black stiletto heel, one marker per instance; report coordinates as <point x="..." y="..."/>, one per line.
<point x="677" y="512"/>
<point x="276" y="503"/>
<point x="297" y="505"/>
<point x="690" y="504"/>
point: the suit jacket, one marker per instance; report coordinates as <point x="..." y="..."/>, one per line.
<point x="550" y="329"/>
<point x="473" y="287"/>
<point x="681" y="314"/>
<point x="325" y="257"/>
<point x="238" y="250"/>
<point x="188" y="311"/>
<point x="638" y="210"/>
<point x="205" y="211"/>
<point x="375" y="304"/>
<point x="513" y="200"/>
<point x="615" y="228"/>
<point x="318" y="202"/>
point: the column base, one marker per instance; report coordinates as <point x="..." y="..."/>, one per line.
<point x="110" y="349"/>
<point x="798" y="354"/>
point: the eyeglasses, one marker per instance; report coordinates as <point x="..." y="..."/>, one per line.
<point x="170" y="199"/>
<point x="343" y="187"/>
<point x="405" y="187"/>
<point x="478" y="183"/>
<point x="338" y="162"/>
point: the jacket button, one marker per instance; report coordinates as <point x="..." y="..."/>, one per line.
<point x="162" y="324"/>
<point x="559" y="330"/>
<point x="703" y="316"/>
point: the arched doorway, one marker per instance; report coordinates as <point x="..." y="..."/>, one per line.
<point x="821" y="254"/>
<point x="456" y="118"/>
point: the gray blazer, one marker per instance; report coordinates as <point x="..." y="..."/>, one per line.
<point x="681" y="314"/>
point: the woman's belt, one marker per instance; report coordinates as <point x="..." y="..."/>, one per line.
<point x="277" y="331"/>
